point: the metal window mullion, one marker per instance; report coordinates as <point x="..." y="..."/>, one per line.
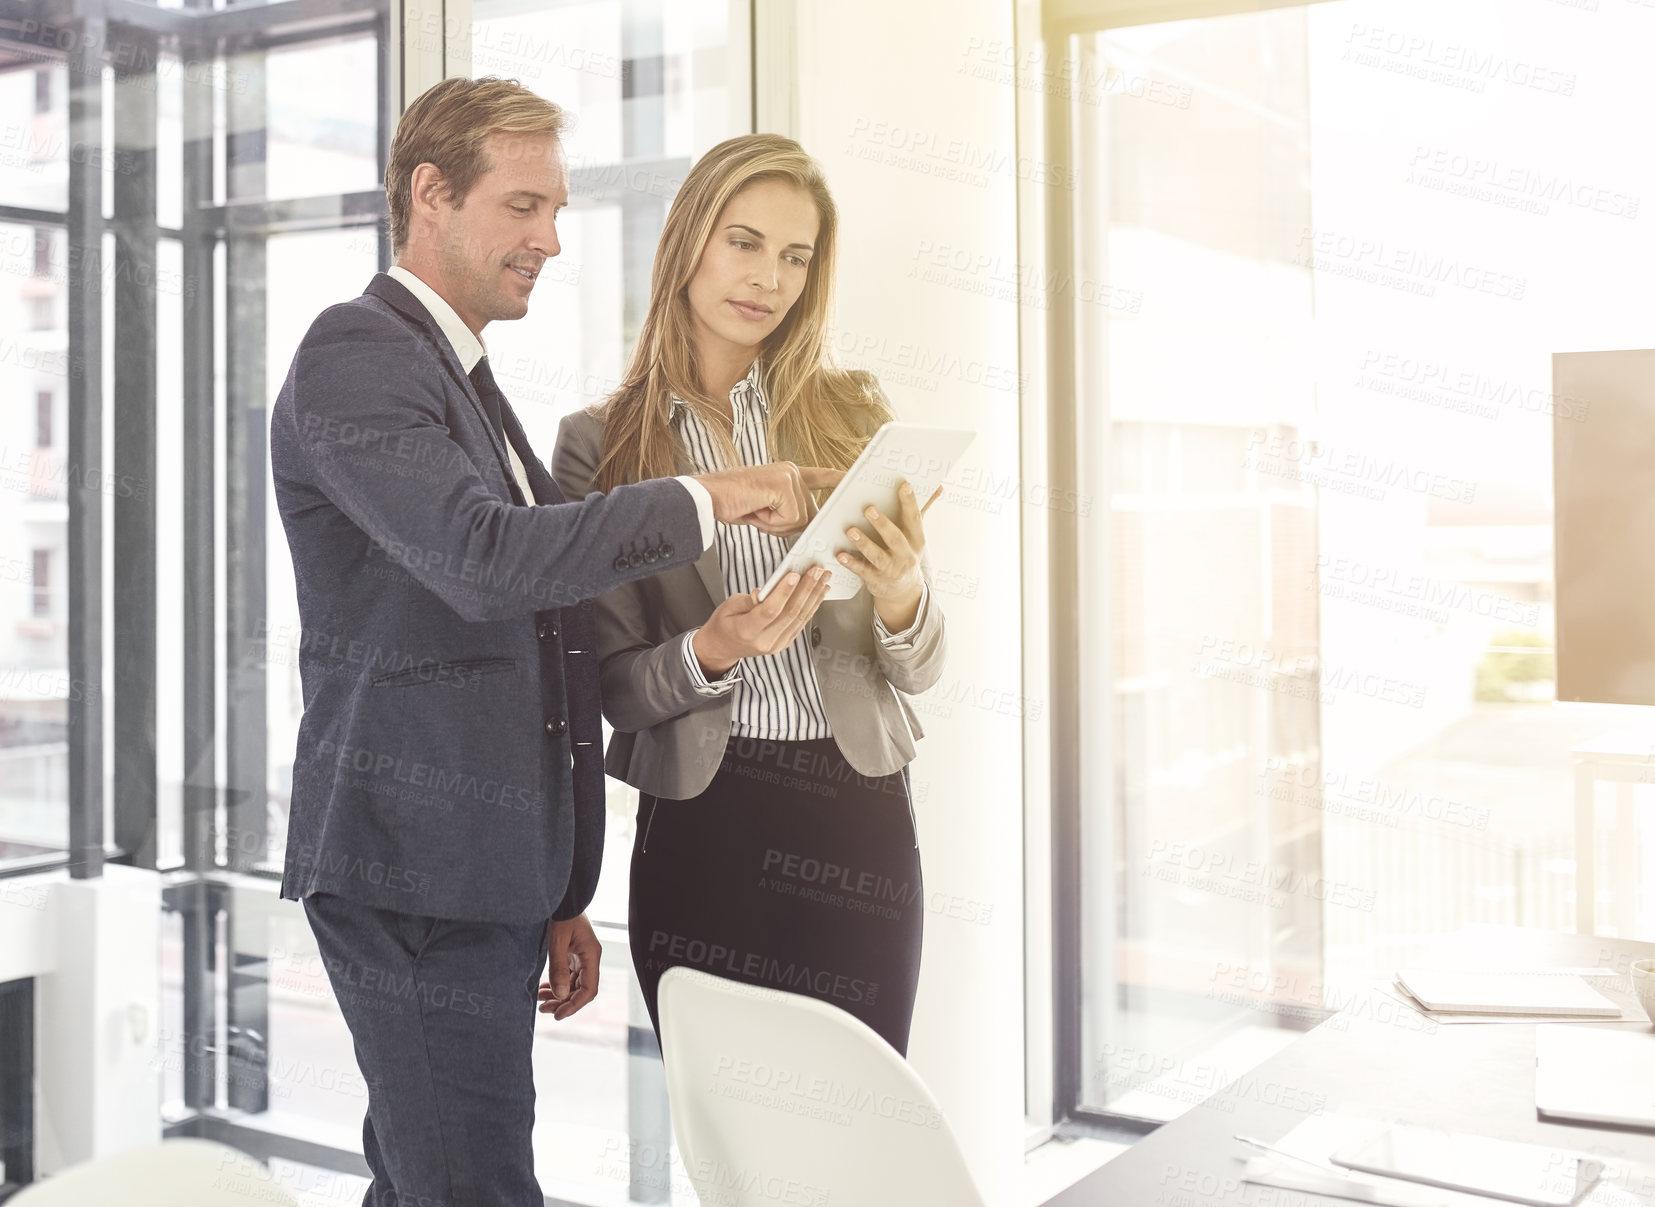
<point x="199" y="463"/>
<point x="1063" y="624"/>
<point x="85" y="448"/>
<point x="17" y="1081"/>
<point x="134" y="482"/>
<point x="198" y="902"/>
<point x="425" y="52"/>
<point x="1034" y="452"/>
<point x="245" y="434"/>
<point x="385" y="59"/>
<point x="1087" y="472"/>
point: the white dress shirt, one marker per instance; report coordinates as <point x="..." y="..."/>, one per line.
<point x="468" y="346"/>
<point x="776" y="696"/>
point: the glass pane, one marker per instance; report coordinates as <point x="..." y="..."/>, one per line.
<point x="170" y="85"/>
<point x="322" y="117"/>
<point x="34" y="513"/>
<point x="299" y="122"/>
<point x="1483" y="225"/>
<point x="34" y="136"/>
<point x="1358" y="232"/>
<point x="1198" y="688"/>
<point x="304" y="274"/>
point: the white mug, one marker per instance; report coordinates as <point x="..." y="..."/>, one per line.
<point x="1643" y="984"/>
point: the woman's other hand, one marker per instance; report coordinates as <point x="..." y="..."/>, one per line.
<point x="887" y="559"/>
<point x="743" y="627"/>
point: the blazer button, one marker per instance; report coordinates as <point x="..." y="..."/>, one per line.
<point x="556" y="726"/>
<point x="621" y="562"/>
<point x="635" y="559"/>
<point x="815" y="634"/>
<point x="546" y="632"/>
<point x="666" y="549"/>
<point x="651" y="556"/>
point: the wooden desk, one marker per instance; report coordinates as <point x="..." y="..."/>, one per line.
<point x="1465" y="1077"/>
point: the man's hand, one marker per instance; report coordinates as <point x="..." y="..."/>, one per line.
<point x="743" y="627"/>
<point x="773" y="498"/>
<point x="572" y="953"/>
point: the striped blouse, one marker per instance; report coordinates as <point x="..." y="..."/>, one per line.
<point x="776" y="696"/>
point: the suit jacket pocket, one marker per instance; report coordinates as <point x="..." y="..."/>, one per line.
<point x="465" y="673"/>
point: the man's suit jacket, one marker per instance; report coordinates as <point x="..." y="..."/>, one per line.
<point x="448" y="759"/>
<point x="669" y="739"/>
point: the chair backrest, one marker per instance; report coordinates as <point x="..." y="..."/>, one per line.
<point x="174" y="1173"/>
<point x="780" y="1098"/>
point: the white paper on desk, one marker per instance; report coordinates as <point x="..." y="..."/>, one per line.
<point x="1623" y="1184"/>
<point x="1631" y="1011"/>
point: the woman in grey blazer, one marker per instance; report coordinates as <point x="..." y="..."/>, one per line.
<point x="769" y="741"/>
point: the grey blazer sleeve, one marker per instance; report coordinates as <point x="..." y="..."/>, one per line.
<point x="373" y="438"/>
<point x="644" y="683"/>
<point x="918" y="666"/>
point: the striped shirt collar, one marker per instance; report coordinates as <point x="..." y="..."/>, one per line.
<point x="748" y="387"/>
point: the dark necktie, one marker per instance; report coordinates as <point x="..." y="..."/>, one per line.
<point x="482" y="377"/>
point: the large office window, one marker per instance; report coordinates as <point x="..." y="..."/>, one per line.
<point x="237" y="154"/>
<point x="1331" y="250"/>
<point x="183" y="187"/>
<point x="35" y="686"/>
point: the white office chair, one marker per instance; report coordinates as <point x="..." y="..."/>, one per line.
<point x="778" y="1098"/>
<point x="173" y="1173"/>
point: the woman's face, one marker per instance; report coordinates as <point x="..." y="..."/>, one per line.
<point x="754" y="266"/>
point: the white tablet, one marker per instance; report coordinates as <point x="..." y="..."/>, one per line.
<point x="1480" y="1165"/>
<point x="1595" y="1075"/>
<point x="919" y="453"/>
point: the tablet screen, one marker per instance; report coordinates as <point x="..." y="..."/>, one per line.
<point x="918" y="453"/>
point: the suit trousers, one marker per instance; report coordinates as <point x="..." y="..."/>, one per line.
<point x="442" y="1016"/>
<point x="792" y="871"/>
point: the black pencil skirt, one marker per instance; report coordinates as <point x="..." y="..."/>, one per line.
<point x="791" y="871"/>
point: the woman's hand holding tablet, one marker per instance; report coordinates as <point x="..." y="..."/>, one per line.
<point x="887" y="559"/>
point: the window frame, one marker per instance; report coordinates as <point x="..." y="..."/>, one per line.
<point x="1053" y="803"/>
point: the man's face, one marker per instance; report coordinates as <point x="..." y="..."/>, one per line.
<point x="486" y="254"/>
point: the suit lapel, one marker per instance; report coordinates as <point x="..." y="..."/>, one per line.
<point x="392" y="292"/>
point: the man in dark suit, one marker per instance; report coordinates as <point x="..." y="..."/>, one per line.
<point x="448" y="788"/>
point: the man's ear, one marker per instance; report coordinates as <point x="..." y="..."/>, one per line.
<point x="428" y="187"/>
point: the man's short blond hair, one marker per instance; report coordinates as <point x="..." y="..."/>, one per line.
<point x="447" y="125"/>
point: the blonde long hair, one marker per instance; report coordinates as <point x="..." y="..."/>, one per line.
<point x="819" y="415"/>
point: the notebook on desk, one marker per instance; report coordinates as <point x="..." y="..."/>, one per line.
<point x="1595" y="1075"/>
<point x="1527" y="993"/>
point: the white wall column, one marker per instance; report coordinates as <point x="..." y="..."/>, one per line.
<point x="97" y="1017"/>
